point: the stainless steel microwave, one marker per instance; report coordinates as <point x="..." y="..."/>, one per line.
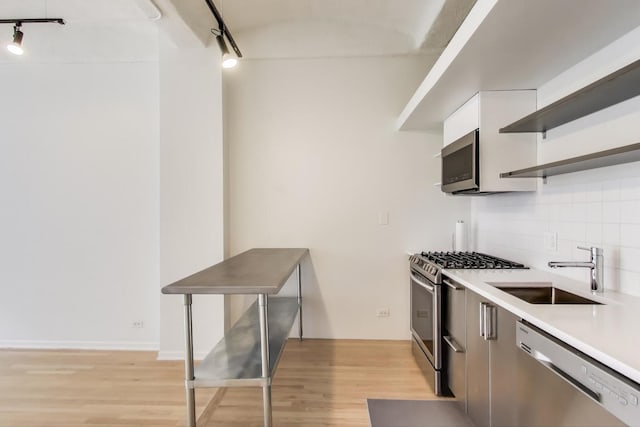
<point x="461" y="164"/>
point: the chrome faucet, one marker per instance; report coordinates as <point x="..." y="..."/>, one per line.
<point x="596" y="264"/>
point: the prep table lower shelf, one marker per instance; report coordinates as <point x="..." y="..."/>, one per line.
<point x="236" y="360"/>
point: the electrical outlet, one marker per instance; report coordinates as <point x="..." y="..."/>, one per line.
<point x="551" y="241"/>
<point x="137" y="324"/>
<point x="424" y="313"/>
<point x="383" y="312"/>
<point x="383" y="218"/>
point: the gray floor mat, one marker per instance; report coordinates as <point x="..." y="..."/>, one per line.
<point x="416" y="413"/>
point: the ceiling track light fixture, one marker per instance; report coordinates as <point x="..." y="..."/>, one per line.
<point x="15" y="46"/>
<point x="228" y="59"/>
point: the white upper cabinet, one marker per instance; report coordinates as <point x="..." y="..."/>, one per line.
<point x="488" y="111"/>
<point x="514" y="44"/>
<point x="464" y="120"/>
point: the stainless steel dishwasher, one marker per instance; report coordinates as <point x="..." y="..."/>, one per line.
<point x="560" y="386"/>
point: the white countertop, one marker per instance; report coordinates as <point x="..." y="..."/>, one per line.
<point x="610" y="333"/>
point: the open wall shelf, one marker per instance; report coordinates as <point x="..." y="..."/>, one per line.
<point x="614" y="156"/>
<point x="507" y="45"/>
<point x="612" y="89"/>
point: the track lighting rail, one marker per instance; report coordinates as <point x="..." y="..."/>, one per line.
<point x="15" y="46"/>
<point x="223" y="27"/>
<point x="32" y="21"/>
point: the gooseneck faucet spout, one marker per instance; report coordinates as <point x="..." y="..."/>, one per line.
<point x="596" y="264"/>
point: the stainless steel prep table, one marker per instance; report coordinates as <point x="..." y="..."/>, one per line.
<point x="249" y="352"/>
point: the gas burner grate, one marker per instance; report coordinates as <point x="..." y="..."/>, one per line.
<point x="469" y="260"/>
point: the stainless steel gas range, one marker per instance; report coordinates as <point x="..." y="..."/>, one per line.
<point x="427" y="308"/>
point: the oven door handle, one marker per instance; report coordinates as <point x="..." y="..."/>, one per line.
<point x="429" y="288"/>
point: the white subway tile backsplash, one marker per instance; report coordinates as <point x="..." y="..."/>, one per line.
<point x="630" y="189"/>
<point x="565" y="213"/>
<point x="553" y="212"/>
<point x="611" y="256"/>
<point x="594" y="234"/>
<point x="611" y="234"/>
<point x="594" y="212"/>
<point x="565" y="249"/>
<point x="630" y="259"/>
<point x="588" y="208"/>
<point x="612" y="278"/>
<point x="578" y="231"/>
<point x="630" y="211"/>
<point x="629" y="282"/>
<point x="611" y="190"/>
<point x="611" y="212"/>
<point x="579" y="212"/>
<point x="594" y="193"/>
<point x="630" y="235"/>
<point x="564" y="230"/>
<point x="579" y="195"/>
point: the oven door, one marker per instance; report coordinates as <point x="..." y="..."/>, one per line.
<point x="425" y="317"/>
<point x="460" y="164"/>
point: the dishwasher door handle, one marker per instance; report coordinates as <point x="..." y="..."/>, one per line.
<point x="544" y="360"/>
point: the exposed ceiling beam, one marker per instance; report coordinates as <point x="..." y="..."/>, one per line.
<point x="188" y="22"/>
<point x="440" y="31"/>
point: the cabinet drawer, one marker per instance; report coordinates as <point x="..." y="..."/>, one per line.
<point x="456" y="370"/>
<point x="455" y="322"/>
<point x="455" y="340"/>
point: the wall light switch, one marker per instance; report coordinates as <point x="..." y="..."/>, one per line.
<point x="551" y="241"/>
<point x="383" y="312"/>
<point x="383" y="218"/>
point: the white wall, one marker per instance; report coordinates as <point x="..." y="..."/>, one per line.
<point x="191" y="189"/>
<point x="314" y="159"/>
<point x="599" y="207"/>
<point x="111" y="178"/>
<point x="79" y="216"/>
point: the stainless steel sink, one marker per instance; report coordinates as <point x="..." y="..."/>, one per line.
<point x="541" y="293"/>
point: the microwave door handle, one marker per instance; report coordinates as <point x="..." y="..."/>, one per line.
<point x="421" y="283"/>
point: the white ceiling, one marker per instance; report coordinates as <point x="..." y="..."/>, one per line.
<point x="273" y="28"/>
<point x="312" y="28"/>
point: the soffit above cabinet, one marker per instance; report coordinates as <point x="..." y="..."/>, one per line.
<point x="507" y="44"/>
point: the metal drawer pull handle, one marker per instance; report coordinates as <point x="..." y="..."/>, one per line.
<point x="452" y="285"/>
<point x="454" y="346"/>
<point x="488" y="314"/>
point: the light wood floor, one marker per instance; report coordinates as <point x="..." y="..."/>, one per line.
<point x="318" y="383"/>
<point x="92" y="388"/>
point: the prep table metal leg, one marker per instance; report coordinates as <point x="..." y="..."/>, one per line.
<point x="264" y="353"/>
<point x="188" y="362"/>
<point x="299" y="303"/>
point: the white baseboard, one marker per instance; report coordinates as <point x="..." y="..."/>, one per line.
<point x="179" y="355"/>
<point x="80" y="345"/>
